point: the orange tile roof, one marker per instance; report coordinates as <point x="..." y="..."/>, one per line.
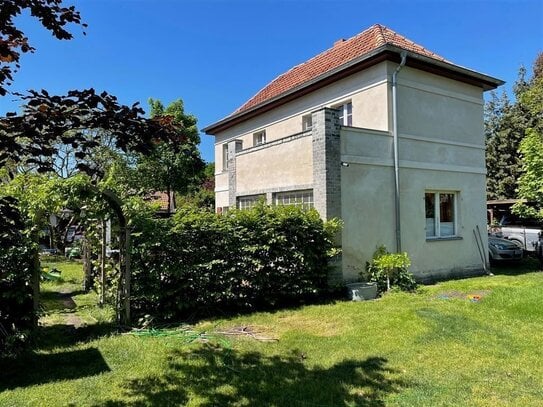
<point x="160" y="198"/>
<point x="341" y="53"/>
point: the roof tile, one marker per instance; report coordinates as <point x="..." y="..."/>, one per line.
<point x="341" y="53"/>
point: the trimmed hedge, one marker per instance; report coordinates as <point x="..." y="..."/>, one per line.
<point x="17" y="254"/>
<point x="260" y="258"/>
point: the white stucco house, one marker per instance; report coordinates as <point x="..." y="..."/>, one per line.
<point x="377" y="131"/>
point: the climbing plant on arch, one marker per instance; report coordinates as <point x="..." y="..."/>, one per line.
<point x="48" y="122"/>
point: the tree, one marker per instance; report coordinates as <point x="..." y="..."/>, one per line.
<point x="530" y="183"/>
<point x="48" y="123"/>
<point x="204" y="194"/>
<point x="505" y="125"/>
<point x="169" y="168"/>
<point x="52" y="15"/>
<point x="42" y="196"/>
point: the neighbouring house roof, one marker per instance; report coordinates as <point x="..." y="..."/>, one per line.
<point x="376" y="44"/>
<point x="161" y="198"/>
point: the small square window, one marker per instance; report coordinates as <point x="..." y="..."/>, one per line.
<point x="259" y="138"/>
<point x="307" y="122"/>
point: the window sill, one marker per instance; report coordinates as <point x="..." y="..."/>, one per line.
<point x="441" y="239"/>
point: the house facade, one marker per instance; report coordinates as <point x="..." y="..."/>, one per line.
<point x="379" y="132"/>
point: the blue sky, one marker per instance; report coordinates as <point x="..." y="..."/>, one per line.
<point x="216" y="54"/>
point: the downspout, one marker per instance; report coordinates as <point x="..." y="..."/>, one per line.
<point x="395" y="150"/>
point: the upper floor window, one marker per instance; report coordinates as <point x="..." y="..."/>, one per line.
<point x="307" y="122"/>
<point x="345" y="114"/>
<point x="440" y="208"/>
<point x="225" y="157"/>
<point x="296" y="198"/>
<point x="226" y="153"/>
<point x="259" y="138"/>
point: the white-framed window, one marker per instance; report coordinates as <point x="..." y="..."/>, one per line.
<point x="345" y="113"/>
<point x="259" y="138"/>
<point x="226" y="153"/>
<point x="248" y="201"/>
<point x="296" y="198"/>
<point x="225" y="157"/>
<point x="441" y="214"/>
<point x="307" y="122"/>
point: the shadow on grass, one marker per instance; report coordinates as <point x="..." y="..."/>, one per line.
<point x="457" y="327"/>
<point x="54" y="301"/>
<point x="60" y="335"/>
<point x="527" y="265"/>
<point x="222" y="377"/>
<point x="34" y="369"/>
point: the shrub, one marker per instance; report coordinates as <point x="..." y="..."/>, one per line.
<point x="390" y="270"/>
<point x="17" y="255"/>
<point x="253" y="259"/>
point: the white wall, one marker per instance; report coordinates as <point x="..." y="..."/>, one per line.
<point x="441" y="147"/>
<point x="275" y="167"/>
<point x="366" y="90"/>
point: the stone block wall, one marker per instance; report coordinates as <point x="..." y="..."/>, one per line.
<point x="327" y="163"/>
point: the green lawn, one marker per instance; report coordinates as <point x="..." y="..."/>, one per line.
<point x="434" y="348"/>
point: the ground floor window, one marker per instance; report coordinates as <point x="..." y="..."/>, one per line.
<point x="248" y="201"/>
<point x="222" y="210"/>
<point x="297" y="198"/>
<point x="441" y="215"/>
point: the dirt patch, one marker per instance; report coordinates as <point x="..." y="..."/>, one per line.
<point x="248" y="331"/>
<point x="67" y="301"/>
<point x="75" y="321"/>
<point x="313" y="326"/>
<point x="473" y="296"/>
<point x="65" y="314"/>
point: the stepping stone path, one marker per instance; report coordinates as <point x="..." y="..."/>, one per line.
<point x="67" y="313"/>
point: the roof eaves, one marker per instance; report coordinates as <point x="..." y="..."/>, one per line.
<point x="296" y="89"/>
<point x="485" y="81"/>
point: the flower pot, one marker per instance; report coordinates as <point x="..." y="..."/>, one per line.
<point x="362" y="291"/>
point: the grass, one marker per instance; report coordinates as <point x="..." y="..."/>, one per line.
<point x="63" y="300"/>
<point x="436" y="347"/>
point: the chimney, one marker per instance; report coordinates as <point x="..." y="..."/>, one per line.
<point x="339" y="42"/>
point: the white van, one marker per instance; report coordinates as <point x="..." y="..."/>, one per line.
<point x="524" y="232"/>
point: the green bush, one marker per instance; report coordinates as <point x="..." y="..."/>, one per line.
<point x="253" y="259"/>
<point x="17" y="254"/>
<point x="389" y="270"/>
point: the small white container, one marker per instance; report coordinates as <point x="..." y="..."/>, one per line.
<point x="362" y="291"/>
